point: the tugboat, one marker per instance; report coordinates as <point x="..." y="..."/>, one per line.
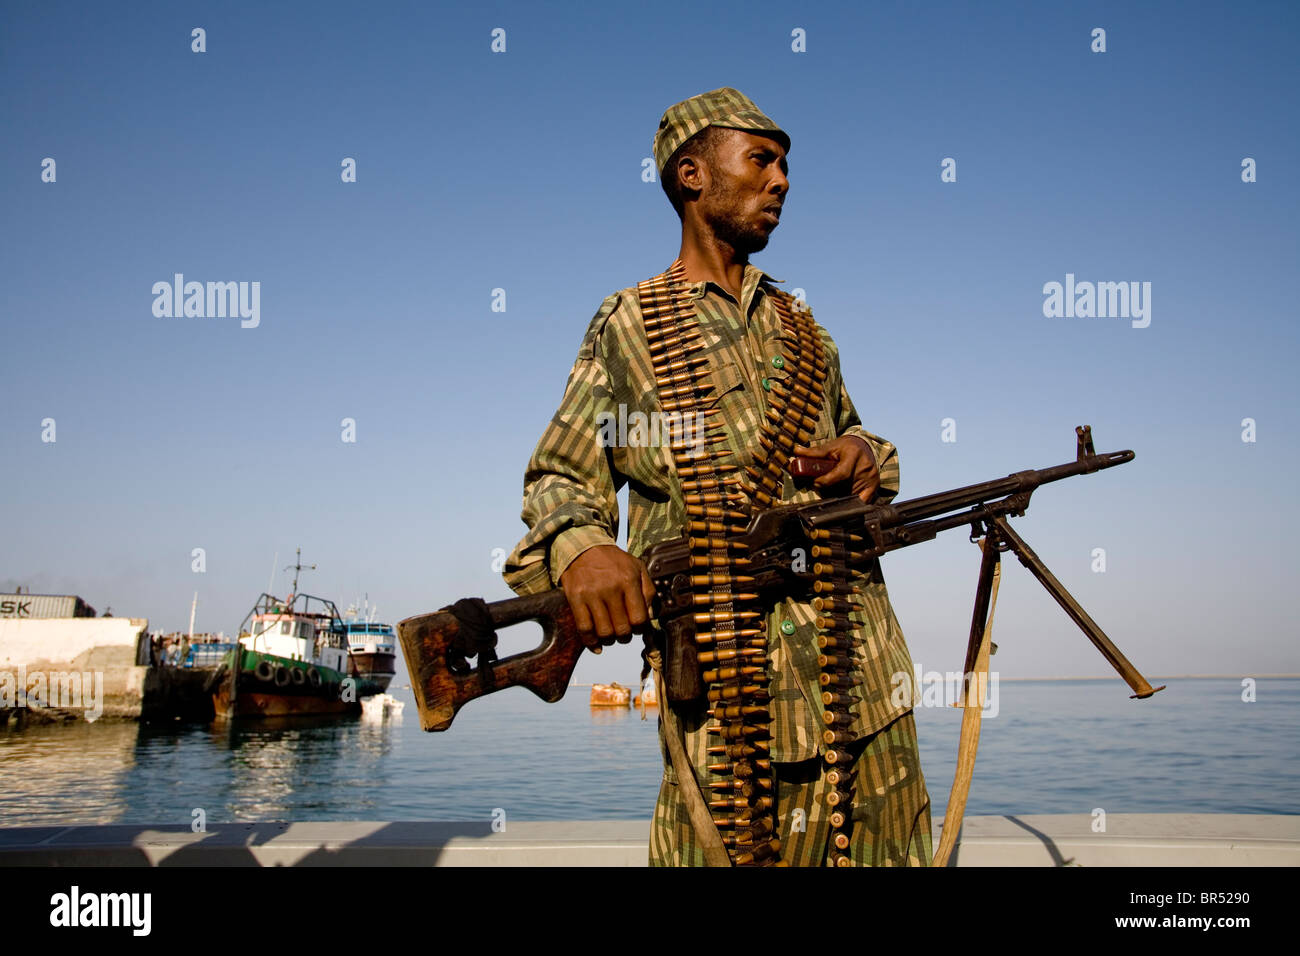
<point x="291" y="659"/>
<point x="372" y="658"/>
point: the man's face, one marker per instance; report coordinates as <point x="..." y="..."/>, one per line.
<point x="747" y="185"/>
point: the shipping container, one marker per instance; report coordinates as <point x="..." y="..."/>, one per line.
<point x="37" y="606"/>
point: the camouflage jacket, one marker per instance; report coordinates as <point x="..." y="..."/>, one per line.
<point x="571" y="483"/>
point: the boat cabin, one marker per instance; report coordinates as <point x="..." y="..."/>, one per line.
<point x="284" y="630"/>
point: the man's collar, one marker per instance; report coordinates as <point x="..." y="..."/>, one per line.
<point x="753" y="276"/>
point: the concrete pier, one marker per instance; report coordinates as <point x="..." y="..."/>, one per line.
<point x="1160" y="839"/>
<point x="55" y="669"/>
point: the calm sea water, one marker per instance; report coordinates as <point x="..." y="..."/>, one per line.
<point x="1054" y="747"/>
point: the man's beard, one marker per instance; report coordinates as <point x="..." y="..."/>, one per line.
<point x="730" y="224"/>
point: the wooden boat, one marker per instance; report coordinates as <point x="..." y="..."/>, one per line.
<point x="372" y="658"/>
<point x="610" y="695"/>
<point x="291" y="659"/>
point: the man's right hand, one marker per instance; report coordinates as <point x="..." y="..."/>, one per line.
<point x="609" y="592"/>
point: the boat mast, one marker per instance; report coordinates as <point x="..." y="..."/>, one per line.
<point x="296" y="568"/>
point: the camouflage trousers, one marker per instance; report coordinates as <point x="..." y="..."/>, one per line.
<point x="891" y="808"/>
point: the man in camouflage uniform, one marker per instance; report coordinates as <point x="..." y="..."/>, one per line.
<point x="723" y="166"/>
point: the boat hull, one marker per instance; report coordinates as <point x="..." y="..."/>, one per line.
<point x="374" y="670"/>
<point x="245" y="691"/>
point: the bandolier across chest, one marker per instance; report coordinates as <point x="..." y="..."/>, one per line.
<point x="729" y="648"/>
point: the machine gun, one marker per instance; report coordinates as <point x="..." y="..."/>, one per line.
<point x="437" y="646"/>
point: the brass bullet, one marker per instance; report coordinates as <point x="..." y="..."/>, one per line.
<point x="740" y="768"/>
<point x="672" y="386"/>
<point x="718" y="542"/>
<point x="828" y="698"/>
<point x="667" y="368"/>
<point x="840" y="777"/>
<point x="704" y="456"/>
<point x="671" y="340"/>
<point x="729" y="654"/>
<point x="762" y="803"/>
<point x="712" y="511"/>
<point x="719" y="674"/>
<point x="731" y="692"/>
<point x="828" y="587"/>
<point x="707" y="527"/>
<point x="740" y="751"/>
<point x="840" y="645"/>
<point x="752" y="784"/>
<point x="760" y="853"/>
<point x="719" y="580"/>
<point x="722" y="617"/>
<point x="741" y="731"/>
<point x="794" y="418"/>
<point x="707" y="484"/>
<point x="715" y="636"/>
<point x="683" y="399"/>
<point x="739" y="712"/>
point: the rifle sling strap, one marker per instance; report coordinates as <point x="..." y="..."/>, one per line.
<point x="973" y="709"/>
<point x="715" y="854"/>
<point x="476" y="636"/>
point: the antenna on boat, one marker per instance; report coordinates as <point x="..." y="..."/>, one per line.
<point x="270" y="585"/>
<point x="296" y="568"/>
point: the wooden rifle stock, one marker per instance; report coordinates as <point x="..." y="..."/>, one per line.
<point x="430" y="641"/>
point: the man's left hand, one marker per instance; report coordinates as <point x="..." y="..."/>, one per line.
<point x="854" y="461"/>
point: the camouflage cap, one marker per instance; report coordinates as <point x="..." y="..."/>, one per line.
<point x="728" y="108"/>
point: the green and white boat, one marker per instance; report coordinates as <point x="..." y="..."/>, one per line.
<point x="291" y="659"/>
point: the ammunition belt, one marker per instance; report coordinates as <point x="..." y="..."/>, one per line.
<point x="719" y="505"/>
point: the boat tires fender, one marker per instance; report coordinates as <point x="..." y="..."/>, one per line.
<point x="264" y="671"/>
<point x="282" y="677"/>
<point x="298" y="675"/>
<point x="313" y="677"/>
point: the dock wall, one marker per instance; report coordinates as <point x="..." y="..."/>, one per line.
<point x="56" y="669"/>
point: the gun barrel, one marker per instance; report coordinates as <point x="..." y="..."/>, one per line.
<point x="930" y="506"/>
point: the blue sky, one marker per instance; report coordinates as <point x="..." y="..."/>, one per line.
<point x="522" y="171"/>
